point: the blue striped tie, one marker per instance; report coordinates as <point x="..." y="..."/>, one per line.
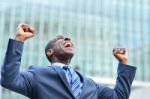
<point x="74" y="81"/>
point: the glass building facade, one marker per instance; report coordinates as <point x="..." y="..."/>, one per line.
<point x="95" y="27"/>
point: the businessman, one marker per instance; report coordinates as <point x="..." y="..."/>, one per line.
<point x="59" y="80"/>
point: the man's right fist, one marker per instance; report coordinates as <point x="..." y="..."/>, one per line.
<point x="24" y="32"/>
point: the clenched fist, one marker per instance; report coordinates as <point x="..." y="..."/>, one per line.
<point x="24" y="32"/>
<point x="121" y="55"/>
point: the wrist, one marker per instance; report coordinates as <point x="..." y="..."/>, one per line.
<point x="123" y="61"/>
<point x="20" y="38"/>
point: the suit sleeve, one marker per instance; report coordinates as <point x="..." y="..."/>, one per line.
<point x="11" y="78"/>
<point x="122" y="88"/>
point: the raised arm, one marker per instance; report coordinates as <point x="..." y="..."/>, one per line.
<point x="11" y="78"/>
<point x="125" y="76"/>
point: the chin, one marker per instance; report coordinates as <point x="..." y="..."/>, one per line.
<point x="69" y="51"/>
<point x="69" y="54"/>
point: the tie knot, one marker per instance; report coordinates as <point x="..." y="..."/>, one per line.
<point x="65" y="67"/>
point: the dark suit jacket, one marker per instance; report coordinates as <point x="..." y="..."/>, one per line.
<point x="50" y="82"/>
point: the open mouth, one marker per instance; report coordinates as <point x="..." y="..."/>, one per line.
<point x="68" y="45"/>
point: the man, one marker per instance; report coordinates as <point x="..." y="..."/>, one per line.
<point x="59" y="81"/>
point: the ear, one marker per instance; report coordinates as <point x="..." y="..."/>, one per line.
<point x="49" y="52"/>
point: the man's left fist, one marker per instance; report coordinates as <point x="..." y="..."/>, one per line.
<point x="121" y="55"/>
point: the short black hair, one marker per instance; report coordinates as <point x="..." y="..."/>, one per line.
<point x="50" y="45"/>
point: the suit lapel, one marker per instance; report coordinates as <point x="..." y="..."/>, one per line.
<point x="84" y="83"/>
<point x="62" y="76"/>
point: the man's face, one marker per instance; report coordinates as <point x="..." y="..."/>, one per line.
<point x="63" y="48"/>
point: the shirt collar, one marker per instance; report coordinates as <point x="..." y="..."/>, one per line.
<point x="59" y="64"/>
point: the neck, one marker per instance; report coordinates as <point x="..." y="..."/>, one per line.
<point x="61" y="61"/>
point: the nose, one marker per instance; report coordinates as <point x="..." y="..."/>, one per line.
<point x="67" y="39"/>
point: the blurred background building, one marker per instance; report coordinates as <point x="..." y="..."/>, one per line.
<point x="95" y="27"/>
